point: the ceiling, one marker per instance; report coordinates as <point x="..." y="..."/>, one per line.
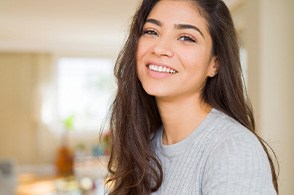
<point x="79" y="26"/>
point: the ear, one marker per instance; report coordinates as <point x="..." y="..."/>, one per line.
<point x="213" y="67"/>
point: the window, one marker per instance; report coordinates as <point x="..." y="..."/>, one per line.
<point x="85" y="88"/>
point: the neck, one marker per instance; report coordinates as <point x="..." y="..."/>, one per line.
<point x="181" y="117"/>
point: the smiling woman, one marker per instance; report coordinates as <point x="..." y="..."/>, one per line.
<point x="181" y="122"/>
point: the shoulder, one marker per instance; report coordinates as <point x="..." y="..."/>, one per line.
<point x="237" y="161"/>
<point x="234" y="142"/>
<point x="228" y="130"/>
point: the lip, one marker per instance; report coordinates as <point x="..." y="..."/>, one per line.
<point x="159" y="75"/>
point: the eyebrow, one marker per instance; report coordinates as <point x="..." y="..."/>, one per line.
<point x="177" y="26"/>
<point x="153" y="21"/>
<point x="188" y="26"/>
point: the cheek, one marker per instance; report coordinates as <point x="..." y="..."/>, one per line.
<point x="195" y="58"/>
<point x="139" y="53"/>
<point x="144" y="46"/>
<point x="190" y="60"/>
<point x="139" y="57"/>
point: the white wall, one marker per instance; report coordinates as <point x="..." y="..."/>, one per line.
<point x="18" y="125"/>
<point x="269" y="41"/>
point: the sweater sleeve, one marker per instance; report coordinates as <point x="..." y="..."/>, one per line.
<point x="238" y="166"/>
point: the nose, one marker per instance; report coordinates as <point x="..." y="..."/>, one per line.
<point x="163" y="47"/>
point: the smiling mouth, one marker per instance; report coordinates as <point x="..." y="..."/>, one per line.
<point x="162" y="69"/>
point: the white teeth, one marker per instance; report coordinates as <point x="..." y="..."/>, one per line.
<point x="161" y="69"/>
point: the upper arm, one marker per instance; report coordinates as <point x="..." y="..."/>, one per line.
<point x="238" y="166"/>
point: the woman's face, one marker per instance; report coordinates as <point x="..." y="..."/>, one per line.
<point x="174" y="52"/>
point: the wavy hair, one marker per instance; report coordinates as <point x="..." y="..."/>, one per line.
<point x="133" y="167"/>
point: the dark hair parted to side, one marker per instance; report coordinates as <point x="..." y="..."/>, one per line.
<point x="133" y="166"/>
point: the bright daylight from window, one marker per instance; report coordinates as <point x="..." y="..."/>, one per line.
<point x="85" y="88"/>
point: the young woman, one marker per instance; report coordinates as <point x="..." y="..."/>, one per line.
<point x="181" y="122"/>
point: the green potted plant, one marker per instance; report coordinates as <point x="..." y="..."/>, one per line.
<point x="65" y="159"/>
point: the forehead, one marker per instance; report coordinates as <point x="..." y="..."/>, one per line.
<point x="178" y="11"/>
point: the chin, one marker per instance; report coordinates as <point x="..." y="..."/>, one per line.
<point x="156" y="91"/>
<point x="153" y="92"/>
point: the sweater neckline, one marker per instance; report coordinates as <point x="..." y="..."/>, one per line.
<point x="183" y="145"/>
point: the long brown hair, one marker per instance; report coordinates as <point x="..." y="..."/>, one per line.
<point x="133" y="167"/>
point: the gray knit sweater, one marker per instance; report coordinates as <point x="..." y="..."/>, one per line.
<point x="221" y="157"/>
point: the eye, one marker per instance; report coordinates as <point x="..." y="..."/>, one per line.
<point x="150" y="32"/>
<point x="187" y="38"/>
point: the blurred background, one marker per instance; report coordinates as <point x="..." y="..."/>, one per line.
<point x="56" y="84"/>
